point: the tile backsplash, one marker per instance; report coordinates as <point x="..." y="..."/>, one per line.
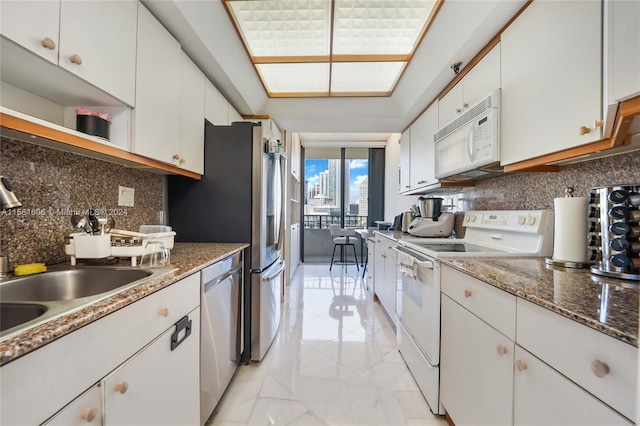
<point x="532" y="191"/>
<point x="52" y="185"/>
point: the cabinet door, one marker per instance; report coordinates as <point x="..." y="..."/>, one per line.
<point x="295" y="248"/>
<point x="87" y="408"/>
<point x="476" y="369"/>
<point x="371" y="261"/>
<point x="422" y="164"/>
<point x="482" y="79"/>
<point x="191" y="116"/>
<point x="216" y="108"/>
<point x="405" y="161"/>
<point x="387" y="292"/>
<point x="450" y="105"/>
<point x="157" y="386"/>
<point x="157" y="129"/>
<point x="103" y="35"/>
<point x="29" y="23"/>
<point x="623" y="44"/>
<point x="295" y="156"/>
<point x="566" y="404"/>
<point x="551" y="79"/>
<point x="378" y="267"/>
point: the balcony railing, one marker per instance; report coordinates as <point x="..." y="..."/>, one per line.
<point x="319" y="221"/>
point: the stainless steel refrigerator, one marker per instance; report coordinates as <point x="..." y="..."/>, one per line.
<point x="239" y="199"/>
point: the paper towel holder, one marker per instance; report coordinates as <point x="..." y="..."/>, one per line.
<point x="562" y="263"/>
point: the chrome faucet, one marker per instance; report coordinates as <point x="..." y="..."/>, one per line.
<point x="9" y="199"/>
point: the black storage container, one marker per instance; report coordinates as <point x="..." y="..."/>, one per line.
<point x="93" y="125"/>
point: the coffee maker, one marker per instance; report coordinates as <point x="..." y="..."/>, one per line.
<point x="432" y="222"/>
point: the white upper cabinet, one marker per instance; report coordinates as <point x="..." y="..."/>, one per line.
<point x="622" y="29"/>
<point x="35" y="25"/>
<point x="98" y="44"/>
<point x="422" y="162"/>
<point x="476" y="85"/>
<point x="405" y="161"/>
<point x="192" y="94"/>
<point x="216" y="106"/>
<point x="95" y="40"/>
<point x="156" y="127"/>
<point x="551" y="79"/>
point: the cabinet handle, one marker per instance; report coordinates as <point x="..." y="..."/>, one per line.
<point x="75" y="59"/>
<point x="599" y="123"/>
<point x="465" y="105"/>
<point x="89" y="414"/>
<point x="502" y="350"/>
<point x="468" y="293"/>
<point x="383" y="255"/>
<point x="164" y="312"/>
<point x="599" y="368"/>
<point x="420" y="182"/>
<point x="584" y="130"/>
<point x="458" y="110"/>
<point x="182" y="160"/>
<point x="521" y="365"/>
<point x="122" y="387"/>
<point x="48" y="43"/>
<point x="176" y="157"/>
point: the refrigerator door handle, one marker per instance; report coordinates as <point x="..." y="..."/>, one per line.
<point x="276" y="274"/>
<point x="280" y="232"/>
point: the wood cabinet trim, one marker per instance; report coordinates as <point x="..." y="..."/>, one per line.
<point x="89" y="147"/>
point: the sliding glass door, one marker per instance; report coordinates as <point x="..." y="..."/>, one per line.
<point x="336" y="191"/>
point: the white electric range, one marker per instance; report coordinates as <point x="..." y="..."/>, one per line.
<point x="488" y="233"/>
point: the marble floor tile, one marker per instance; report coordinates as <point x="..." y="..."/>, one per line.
<point x="334" y="361"/>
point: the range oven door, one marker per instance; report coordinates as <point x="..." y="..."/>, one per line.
<point x="418" y="303"/>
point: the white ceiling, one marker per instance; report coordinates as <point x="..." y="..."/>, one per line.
<point x="207" y="35"/>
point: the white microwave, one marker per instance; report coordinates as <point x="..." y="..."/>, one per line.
<point x="469" y="146"/>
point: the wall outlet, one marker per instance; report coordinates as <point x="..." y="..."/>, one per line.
<point x="125" y="196"/>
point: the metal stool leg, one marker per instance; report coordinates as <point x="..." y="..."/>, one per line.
<point x="355" y="255"/>
<point x="333" y="255"/>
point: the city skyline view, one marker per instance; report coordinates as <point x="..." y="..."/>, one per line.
<point x="358" y="172"/>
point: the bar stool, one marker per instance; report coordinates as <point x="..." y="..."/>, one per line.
<point x="343" y="237"/>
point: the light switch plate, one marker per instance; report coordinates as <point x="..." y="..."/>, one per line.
<point x="125" y="196"/>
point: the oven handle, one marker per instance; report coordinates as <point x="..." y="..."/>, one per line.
<point x="425" y="264"/>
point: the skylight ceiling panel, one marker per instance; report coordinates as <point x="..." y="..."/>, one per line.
<point x="284" y="27"/>
<point x="379" y="26"/>
<point x="354" y="77"/>
<point x="296" y="77"/>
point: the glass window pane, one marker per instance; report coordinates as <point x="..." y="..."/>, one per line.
<point x="357" y="187"/>
<point x="322" y="188"/>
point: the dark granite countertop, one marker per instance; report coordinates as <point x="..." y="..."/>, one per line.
<point x="605" y="304"/>
<point x="186" y="259"/>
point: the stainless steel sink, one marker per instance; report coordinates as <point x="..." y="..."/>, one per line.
<point x="28" y="301"/>
<point x="15" y="314"/>
<point x="68" y="285"/>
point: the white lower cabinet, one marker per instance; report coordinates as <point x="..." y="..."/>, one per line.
<point x="476" y="369"/>
<point x="543" y="369"/>
<point x="385" y="274"/>
<point x="87" y="408"/>
<point x="59" y="381"/>
<point x="542" y="396"/>
<point x="159" y="385"/>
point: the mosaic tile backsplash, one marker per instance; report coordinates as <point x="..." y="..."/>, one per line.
<point x="52" y="185"/>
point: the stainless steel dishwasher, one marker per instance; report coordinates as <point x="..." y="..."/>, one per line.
<point x="221" y="332"/>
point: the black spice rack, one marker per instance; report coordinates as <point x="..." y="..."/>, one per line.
<point x="614" y="231"/>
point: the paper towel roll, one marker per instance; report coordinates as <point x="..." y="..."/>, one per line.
<point x="570" y="229"/>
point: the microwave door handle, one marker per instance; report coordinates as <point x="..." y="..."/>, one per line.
<point x="470" y="142"/>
